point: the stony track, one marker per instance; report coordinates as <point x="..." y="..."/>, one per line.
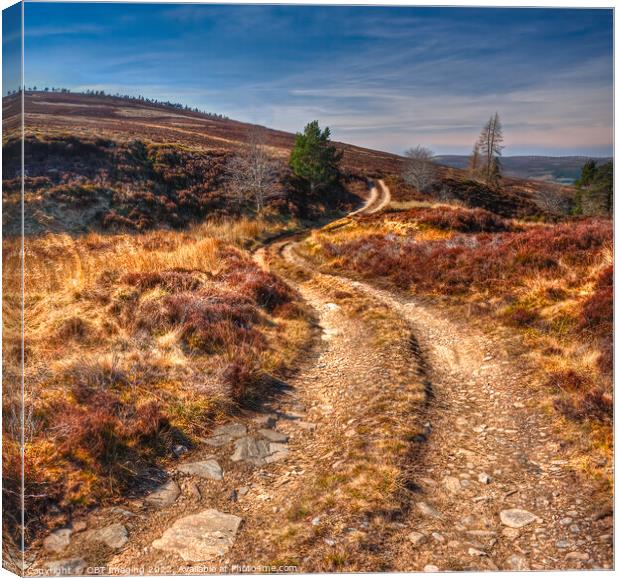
<point x="490" y="484"/>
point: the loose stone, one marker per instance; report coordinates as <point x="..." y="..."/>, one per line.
<point x="516" y="563"/>
<point x="515" y="518"/>
<point x="58" y="540"/>
<point x="416" y="538"/>
<point x="208" y="469"/>
<point x="113" y="536"/>
<point x="201" y="537"/>
<point x="164" y="496"/>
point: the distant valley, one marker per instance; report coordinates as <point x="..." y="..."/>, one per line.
<point x="563" y="170"/>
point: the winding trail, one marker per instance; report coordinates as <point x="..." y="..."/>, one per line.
<point x="492" y="448"/>
<point x="484" y="449"/>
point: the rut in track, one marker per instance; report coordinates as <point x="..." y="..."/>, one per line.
<point x="385" y="375"/>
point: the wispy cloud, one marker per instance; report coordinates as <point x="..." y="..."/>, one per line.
<point x="385" y="78"/>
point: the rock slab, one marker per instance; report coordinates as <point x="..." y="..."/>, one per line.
<point x="201" y="537"/>
<point x="515" y="518"/>
<point x="208" y="469"/>
<point x="226" y="433"/>
<point x="57" y="541"/>
<point x="114" y="536"/>
<point x="258" y="452"/>
<point x="165" y="495"/>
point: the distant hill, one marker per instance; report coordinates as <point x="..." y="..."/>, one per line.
<point x="99" y="162"/>
<point x="564" y="170"/>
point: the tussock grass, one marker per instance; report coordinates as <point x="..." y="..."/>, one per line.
<point x="135" y="343"/>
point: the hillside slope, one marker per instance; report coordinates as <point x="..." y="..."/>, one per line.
<point x="105" y="162"/>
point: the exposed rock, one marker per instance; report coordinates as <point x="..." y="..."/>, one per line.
<point x="194" y="491"/>
<point x="164" y="496"/>
<point x="316" y="521"/>
<point x="276" y="452"/>
<point x="208" y="469"/>
<point x="565" y="521"/>
<point x="113" y="536"/>
<point x="579" y="556"/>
<point x="250" y="450"/>
<point x="202" y="537"/>
<point x="562" y="544"/>
<point x="476" y="552"/>
<point x="427" y="510"/>
<point x="58" y="540"/>
<point x="67" y="567"/>
<point x="416" y="538"/>
<point x="452" y="484"/>
<point x="438" y="537"/>
<point x="243" y="491"/>
<point x="516" y="563"/>
<point x="510" y="533"/>
<point x="484" y="478"/>
<point x="258" y="452"/>
<point x="431" y="568"/>
<point x="226" y="433"/>
<point x="273" y="435"/>
<point x="515" y="518"/>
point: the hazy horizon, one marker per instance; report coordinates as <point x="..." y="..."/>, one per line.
<point x="379" y="77"/>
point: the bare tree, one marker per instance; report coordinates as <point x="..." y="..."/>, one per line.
<point x="474" y="162"/>
<point x="251" y="174"/>
<point x="551" y="198"/>
<point x="419" y="170"/>
<point x="489" y="148"/>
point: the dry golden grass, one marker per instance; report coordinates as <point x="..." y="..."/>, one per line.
<point x="135" y="343"/>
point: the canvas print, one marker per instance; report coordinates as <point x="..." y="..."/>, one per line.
<point x="299" y="289"/>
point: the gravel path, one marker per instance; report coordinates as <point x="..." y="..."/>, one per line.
<point x="489" y="483"/>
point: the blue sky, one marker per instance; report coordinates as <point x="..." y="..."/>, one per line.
<point x="387" y="78"/>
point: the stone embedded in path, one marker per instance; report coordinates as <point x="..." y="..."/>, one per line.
<point x="113" y="536"/>
<point x="250" y="450"/>
<point x="208" y="469"/>
<point x="224" y="434"/>
<point x="580" y="556"/>
<point x="452" y="484"/>
<point x="273" y="435"/>
<point x="258" y="452"/>
<point x="416" y="538"/>
<point x="516" y="563"/>
<point x="58" y="540"/>
<point x="515" y="518"/>
<point x="484" y="478"/>
<point x="427" y="510"/>
<point x="431" y="568"/>
<point x="510" y="533"/>
<point x="165" y="495"/>
<point x="67" y="567"/>
<point x="276" y="452"/>
<point x="201" y="537"/>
